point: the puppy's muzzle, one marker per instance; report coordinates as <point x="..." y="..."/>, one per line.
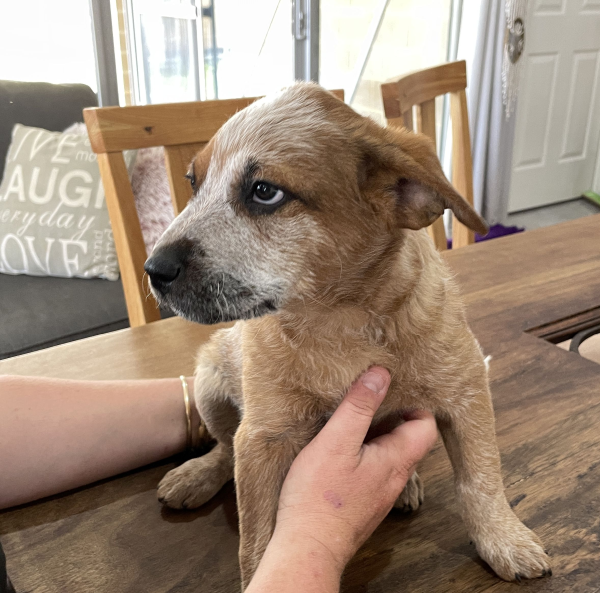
<point x="183" y="279"/>
<point x="164" y="267"/>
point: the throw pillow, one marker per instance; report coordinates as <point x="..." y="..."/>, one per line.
<point x="53" y="216"/>
<point x="150" y="186"/>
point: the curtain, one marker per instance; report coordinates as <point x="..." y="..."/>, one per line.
<point x="492" y="134"/>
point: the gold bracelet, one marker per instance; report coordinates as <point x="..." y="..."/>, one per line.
<point x="188" y="412"/>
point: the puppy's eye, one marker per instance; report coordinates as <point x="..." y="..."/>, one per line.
<point x="265" y="193"/>
<point x="192" y="179"/>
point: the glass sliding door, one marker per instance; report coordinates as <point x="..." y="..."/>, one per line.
<point x="183" y="50"/>
<point x="254" y="47"/>
<point x="166" y="51"/>
<point x="187" y="50"/>
<point x="211" y="51"/>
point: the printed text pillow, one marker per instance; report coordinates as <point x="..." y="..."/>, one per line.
<point x="53" y="217"/>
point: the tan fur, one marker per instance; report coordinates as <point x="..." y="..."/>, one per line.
<point x="355" y="286"/>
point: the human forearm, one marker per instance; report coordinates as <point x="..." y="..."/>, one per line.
<point x="293" y="563"/>
<point x="56" y="435"/>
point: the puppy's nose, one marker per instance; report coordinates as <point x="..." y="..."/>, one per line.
<point x="163" y="268"/>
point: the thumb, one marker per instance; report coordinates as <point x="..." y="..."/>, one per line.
<point x="408" y="443"/>
<point x="349" y="424"/>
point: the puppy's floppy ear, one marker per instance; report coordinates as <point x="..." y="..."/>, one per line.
<point x="406" y="165"/>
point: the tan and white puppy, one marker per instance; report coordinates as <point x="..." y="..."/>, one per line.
<point x="306" y="223"/>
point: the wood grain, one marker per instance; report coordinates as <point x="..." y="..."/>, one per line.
<point x="114" y="129"/>
<point x="565" y="328"/>
<point x="153" y="351"/>
<point x="421" y="86"/>
<point x="114" y="536"/>
<point x="425" y="124"/>
<point x="129" y="242"/>
<point x="462" y="165"/>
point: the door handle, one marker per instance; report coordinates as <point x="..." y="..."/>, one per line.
<point x="515" y="40"/>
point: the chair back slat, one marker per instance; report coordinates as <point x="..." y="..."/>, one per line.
<point x="418" y="90"/>
<point x="418" y="87"/>
<point x="177" y="160"/>
<point x="129" y="241"/>
<point x="462" y="165"/>
<point x="113" y="129"/>
<point x="407" y="119"/>
<point x="182" y="129"/>
<point x="425" y="124"/>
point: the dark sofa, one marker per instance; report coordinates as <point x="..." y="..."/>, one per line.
<point x="36" y="312"/>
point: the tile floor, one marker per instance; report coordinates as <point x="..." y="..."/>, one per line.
<point x="548" y="215"/>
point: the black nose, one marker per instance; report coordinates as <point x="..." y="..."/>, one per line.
<point x="163" y="268"/>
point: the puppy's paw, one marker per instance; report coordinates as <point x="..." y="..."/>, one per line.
<point x="515" y="553"/>
<point x="411" y="498"/>
<point x="192" y="484"/>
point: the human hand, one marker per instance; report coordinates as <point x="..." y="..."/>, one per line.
<point x="339" y="488"/>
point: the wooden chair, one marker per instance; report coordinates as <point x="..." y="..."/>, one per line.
<point x="419" y="90"/>
<point x="183" y="129"/>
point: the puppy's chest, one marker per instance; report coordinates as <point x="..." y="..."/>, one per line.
<point x="321" y="371"/>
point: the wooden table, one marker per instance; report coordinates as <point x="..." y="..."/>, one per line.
<point x="115" y="537"/>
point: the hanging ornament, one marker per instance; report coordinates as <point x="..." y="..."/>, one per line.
<point x="514" y="43"/>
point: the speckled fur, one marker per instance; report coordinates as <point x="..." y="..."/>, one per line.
<point x="355" y="283"/>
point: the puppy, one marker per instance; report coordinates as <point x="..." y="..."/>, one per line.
<point x="306" y="224"/>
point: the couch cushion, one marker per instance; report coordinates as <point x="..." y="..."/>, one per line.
<point x="39" y="312"/>
<point x="53" y="216"/>
<point x="53" y="107"/>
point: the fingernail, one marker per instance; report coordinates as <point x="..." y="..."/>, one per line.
<point x="374" y="381"/>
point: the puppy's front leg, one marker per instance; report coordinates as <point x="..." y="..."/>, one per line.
<point x="510" y="548"/>
<point x="262" y="460"/>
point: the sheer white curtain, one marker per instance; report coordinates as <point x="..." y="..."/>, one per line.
<point x="482" y="45"/>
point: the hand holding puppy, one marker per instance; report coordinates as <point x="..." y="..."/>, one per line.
<point x="339" y="489"/>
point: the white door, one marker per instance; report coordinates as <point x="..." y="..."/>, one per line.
<point x="558" y="113"/>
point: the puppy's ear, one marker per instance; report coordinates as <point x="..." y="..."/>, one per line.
<point x="406" y="165"/>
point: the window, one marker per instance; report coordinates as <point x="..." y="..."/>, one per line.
<point x="43" y="41"/>
<point x="206" y="49"/>
<point x="184" y="50"/>
<point x="166" y="52"/>
<point x="357" y="55"/>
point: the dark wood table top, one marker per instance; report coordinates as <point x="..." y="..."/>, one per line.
<point x="115" y="537"/>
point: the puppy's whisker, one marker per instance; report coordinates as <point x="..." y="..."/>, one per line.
<point x="219" y="306"/>
<point x="226" y="304"/>
<point x="146" y="286"/>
